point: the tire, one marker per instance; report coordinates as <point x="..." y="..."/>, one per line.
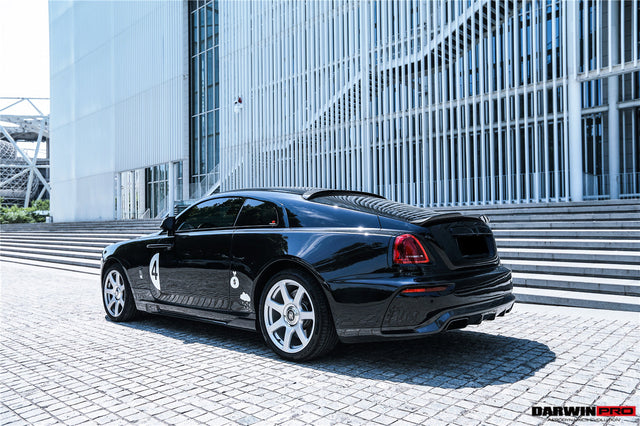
<point x="117" y="298"/>
<point x="295" y="319"/>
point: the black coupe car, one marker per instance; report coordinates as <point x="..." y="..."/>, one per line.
<point x="310" y="267"/>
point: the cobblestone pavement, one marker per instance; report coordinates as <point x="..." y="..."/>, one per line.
<point x="61" y="361"/>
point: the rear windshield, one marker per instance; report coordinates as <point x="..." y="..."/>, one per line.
<point x="321" y="214"/>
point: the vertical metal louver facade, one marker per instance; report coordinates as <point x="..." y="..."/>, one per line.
<point x="433" y="103"/>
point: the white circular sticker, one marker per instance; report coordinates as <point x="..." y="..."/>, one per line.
<point x="235" y="282"/>
<point x="154" y="270"/>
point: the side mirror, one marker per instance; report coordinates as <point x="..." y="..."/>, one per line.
<point x="169" y="224"/>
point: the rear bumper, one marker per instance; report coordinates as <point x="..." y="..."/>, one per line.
<point x="448" y="319"/>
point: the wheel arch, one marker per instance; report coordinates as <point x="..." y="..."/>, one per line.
<point x="109" y="263"/>
<point x="280" y="265"/>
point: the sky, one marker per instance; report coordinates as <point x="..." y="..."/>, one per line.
<point x="24" y="48"/>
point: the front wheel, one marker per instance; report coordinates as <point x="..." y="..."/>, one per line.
<point x="295" y="318"/>
<point x="116" y="295"/>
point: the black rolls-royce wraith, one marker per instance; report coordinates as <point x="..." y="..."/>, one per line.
<point x="310" y="267"/>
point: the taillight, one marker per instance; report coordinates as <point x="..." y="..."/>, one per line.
<point x="408" y="250"/>
<point x="422" y="290"/>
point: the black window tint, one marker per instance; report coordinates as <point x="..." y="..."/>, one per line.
<point x="258" y="213"/>
<point x="216" y="213"/>
<point x="316" y="215"/>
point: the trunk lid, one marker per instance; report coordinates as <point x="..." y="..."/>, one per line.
<point x="459" y="241"/>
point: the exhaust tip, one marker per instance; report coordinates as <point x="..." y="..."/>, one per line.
<point x="457" y="324"/>
<point x="490" y="317"/>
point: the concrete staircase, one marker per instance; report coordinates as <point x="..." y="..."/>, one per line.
<point x="581" y="254"/>
<point x="73" y="246"/>
<point x="572" y="254"/>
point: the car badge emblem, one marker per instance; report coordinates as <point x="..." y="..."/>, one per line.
<point x="235" y="282"/>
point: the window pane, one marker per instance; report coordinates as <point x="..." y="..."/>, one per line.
<point x="194" y="30"/>
<point x="216" y="23"/>
<point x="203" y="142"/>
<point x="210" y="147"/>
<point x="202" y="28"/>
<point x="194" y="83"/>
<point x="209" y="25"/>
<point x="258" y="213"/>
<point x="216" y="213"/>
<point x="210" y="70"/>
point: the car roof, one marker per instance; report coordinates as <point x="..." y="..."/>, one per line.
<point x="362" y="202"/>
<point x="306" y="193"/>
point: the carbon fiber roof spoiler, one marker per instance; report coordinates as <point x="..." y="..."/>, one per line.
<point x="443" y="216"/>
<point x="314" y="193"/>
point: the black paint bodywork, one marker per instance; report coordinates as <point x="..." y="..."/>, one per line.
<point x="346" y="241"/>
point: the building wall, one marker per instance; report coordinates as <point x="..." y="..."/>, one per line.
<point x="432" y="102"/>
<point x="427" y="102"/>
<point x="119" y="76"/>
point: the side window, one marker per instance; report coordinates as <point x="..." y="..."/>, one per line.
<point x="258" y="213"/>
<point x="216" y="213"/>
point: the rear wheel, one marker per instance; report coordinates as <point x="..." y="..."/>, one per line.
<point x="294" y="317"/>
<point x="116" y="295"/>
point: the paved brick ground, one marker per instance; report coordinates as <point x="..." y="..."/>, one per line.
<point x="61" y="361"/>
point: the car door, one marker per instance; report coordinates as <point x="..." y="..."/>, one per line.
<point x="194" y="271"/>
<point x="258" y="239"/>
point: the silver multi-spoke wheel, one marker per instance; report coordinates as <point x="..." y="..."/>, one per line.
<point x="294" y="316"/>
<point x="289" y="316"/>
<point x="114" y="293"/>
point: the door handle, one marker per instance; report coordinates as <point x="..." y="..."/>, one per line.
<point x="166" y="246"/>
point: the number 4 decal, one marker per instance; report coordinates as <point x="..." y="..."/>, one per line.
<point x="154" y="270"/>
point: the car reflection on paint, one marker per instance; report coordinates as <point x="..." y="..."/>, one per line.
<point x="310" y="267"/>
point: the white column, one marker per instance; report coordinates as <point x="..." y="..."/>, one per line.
<point x="574" y="104"/>
<point x="186" y="180"/>
<point x="171" y="190"/>
<point x="614" y="113"/>
<point x="118" y="181"/>
<point x="365" y="107"/>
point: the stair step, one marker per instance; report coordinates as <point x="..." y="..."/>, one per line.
<point x="577" y="299"/>
<point x="119" y="229"/>
<point x="552" y="205"/>
<point x="60" y="238"/>
<point x="95" y="255"/>
<point x="572" y="225"/>
<point x="52" y="247"/>
<point x="611" y="270"/>
<point x="504" y="212"/>
<point x="568" y="233"/>
<point x="594" y="243"/>
<point x="121" y="224"/>
<point x="580" y="217"/>
<point x="578" y="283"/>
<point x="49" y="265"/>
<point x="595" y="256"/>
<point x="75" y="234"/>
<point x="54" y="259"/>
<point x="41" y="242"/>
